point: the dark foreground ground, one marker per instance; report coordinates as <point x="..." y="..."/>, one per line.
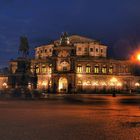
<point x="75" y="117"/>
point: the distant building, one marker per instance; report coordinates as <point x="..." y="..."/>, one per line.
<point x="76" y="64"/>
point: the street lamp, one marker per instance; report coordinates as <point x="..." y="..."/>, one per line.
<point x="138" y="57"/>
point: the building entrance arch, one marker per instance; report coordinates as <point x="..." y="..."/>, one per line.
<point x="63" y="84"/>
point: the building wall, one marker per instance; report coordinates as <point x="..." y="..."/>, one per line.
<point x="81" y="64"/>
<point x="44" y="51"/>
<point x="86" y="47"/>
<point x="104" y="66"/>
<point x="90" y="49"/>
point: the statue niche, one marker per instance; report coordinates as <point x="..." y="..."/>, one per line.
<point x="64" y="66"/>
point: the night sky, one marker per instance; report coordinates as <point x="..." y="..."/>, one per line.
<point x="115" y="22"/>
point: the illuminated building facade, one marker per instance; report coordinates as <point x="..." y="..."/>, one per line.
<point x="76" y="64"/>
<point x="79" y="64"/>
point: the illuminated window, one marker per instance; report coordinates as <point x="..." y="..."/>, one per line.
<point x="37" y="69"/>
<point x="96" y="69"/>
<point x="79" y="68"/>
<point x="88" y="68"/>
<point x="111" y="69"/>
<point x="104" y="70"/>
<point x="50" y="68"/>
<point x="43" y="68"/>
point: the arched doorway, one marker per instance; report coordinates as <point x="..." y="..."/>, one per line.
<point x="63" y="84"/>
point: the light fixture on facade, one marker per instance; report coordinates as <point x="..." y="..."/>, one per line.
<point x="138" y="57"/>
<point x="44" y="83"/>
<point x="137" y="84"/>
<point x="5" y="85"/>
<point x="95" y="84"/>
<point x="29" y="85"/>
<point x="119" y="84"/>
<point x="103" y="84"/>
<point x="113" y="80"/>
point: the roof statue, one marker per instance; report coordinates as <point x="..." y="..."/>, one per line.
<point x="24" y="46"/>
<point x="64" y="40"/>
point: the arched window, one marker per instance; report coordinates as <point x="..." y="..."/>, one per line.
<point x="44" y="68"/>
<point x="104" y="69"/>
<point x="110" y="69"/>
<point x="37" y="69"/>
<point x="79" y="68"/>
<point x="88" y="68"/>
<point x="50" y="68"/>
<point x="96" y="69"/>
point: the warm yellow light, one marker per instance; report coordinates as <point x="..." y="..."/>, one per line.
<point x="79" y="75"/>
<point x="137" y="84"/>
<point x="44" y="83"/>
<point x="5" y="85"/>
<point x="112" y="84"/>
<point x="138" y="57"/>
<point x="103" y="84"/>
<point x="119" y="84"/>
<point x="29" y="85"/>
<point x="95" y="84"/>
<point x="113" y="80"/>
<point x="84" y="84"/>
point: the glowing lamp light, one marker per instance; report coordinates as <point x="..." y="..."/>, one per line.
<point x="103" y="84"/>
<point x="79" y="75"/>
<point x="113" y="80"/>
<point x="5" y="85"/>
<point x="137" y="84"/>
<point x="135" y="58"/>
<point x="29" y="85"/>
<point x="44" y="83"/>
<point x="119" y="84"/>
<point x="95" y="84"/>
<point x="112" y="84"/>
<point x="138" y="57"/>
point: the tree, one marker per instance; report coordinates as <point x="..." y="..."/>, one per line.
<point x="24" y="46"/>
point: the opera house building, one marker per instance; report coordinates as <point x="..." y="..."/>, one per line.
<point x="74" y="64"/>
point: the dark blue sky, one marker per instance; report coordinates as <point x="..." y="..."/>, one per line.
<point x="114" y="22"/>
